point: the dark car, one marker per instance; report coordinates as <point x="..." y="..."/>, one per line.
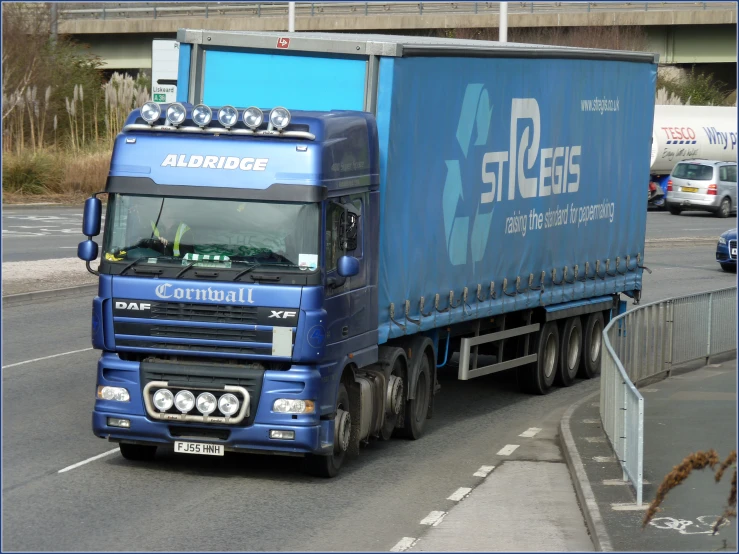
<point x="726" y="250"/>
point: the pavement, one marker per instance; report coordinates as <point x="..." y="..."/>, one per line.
<point x="692" y="410"/>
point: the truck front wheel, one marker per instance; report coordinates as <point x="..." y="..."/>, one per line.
<point x="137" y="452"/>
<point x="329" y="466"/>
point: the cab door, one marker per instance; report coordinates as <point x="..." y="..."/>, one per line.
<point x="346" y="298"/>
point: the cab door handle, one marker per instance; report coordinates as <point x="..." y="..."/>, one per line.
<point x="344" y="331"/>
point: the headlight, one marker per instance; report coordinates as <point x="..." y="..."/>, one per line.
<point x="228" y="404"/>
<point x="202" y="115"/>
<point x="721" y="240"/>
<point x="163" y="400"/>
<point x="206" y="403"/>
<point x="176" y="114"/>
<point x="185" y="401"/>
<point x="279" y="118"/>
<point x="119" y="394"/>
<point x="253" y="117"/>
<point x="150" y="112"/>
<point x="293" y="406"/>
<point x="228" y="116"/>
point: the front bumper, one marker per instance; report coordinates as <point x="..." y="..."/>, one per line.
<point x="254" y="438"/>
<point x="723" y="253"/>
<point x="313" y="434"/>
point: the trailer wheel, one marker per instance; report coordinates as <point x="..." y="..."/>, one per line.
<point x="539" y="376"/>
<point x="329" y="466"/>
<point x="592" y="346"/>
<point x="570" y="351"/>
<point x="416" y="410"/>
<point x="137" y="452"/>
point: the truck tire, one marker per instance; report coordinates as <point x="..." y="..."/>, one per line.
<point x="674" y="210"/>
<point x="570" y="351"/>
<point x="592" y="346"/>
<point x="539" y="376"/>
<point x="137" y="452"/>
<point x="416" y="410"/>
<point x="329" y="466"/>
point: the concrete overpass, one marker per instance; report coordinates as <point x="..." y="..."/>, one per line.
<point x="121" y="33"/>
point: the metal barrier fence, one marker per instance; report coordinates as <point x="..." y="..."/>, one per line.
<point x="650" y="340"/>
<point x="155" y="10"/>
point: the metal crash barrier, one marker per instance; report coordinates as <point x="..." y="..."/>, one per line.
<point x="650" y="340"/>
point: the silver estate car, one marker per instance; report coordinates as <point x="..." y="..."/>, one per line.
<point x="705" y="185"/>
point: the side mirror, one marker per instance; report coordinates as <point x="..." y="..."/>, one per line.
<point x="91" y="216"/>
<point x="348" y="266"/>
<point x="87" y="250"/>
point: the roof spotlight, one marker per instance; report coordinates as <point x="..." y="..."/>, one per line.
<point x="176" y="114"/>
<point x="228" y="116"/>
<point x="279" y="118"/>
<point x="151" y="112"/>
<point x="202" y="115"/>
<point x="253" y="117"/>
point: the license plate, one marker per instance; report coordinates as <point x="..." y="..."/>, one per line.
<point x="733" y="252"/>
<point x="181" y="447"/>
<point x="690" y="189"/>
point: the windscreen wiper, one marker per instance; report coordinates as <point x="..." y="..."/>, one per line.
<point x="133" y="263"/>
<point x="184" y="269"/>
<point x="259" y="264"/>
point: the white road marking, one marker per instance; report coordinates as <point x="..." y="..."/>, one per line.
<point x="62" y="247"/>
<point x="595" y="439"/>
<point x="459" y="494"/>
<point x="594" y="404"/>
<point x="618" y="482"/>
<point x="88" y="460"/>
<point x="629" y="507"/>
<point x="530" y="432"/>
<point x="591" y="420"/>
<point x="601" y="459"/>
<point x="507" y="450"/>
<point x="483" y="471"/>
<point x="648" y="390"/>
<point x="434" y="518"/>
<point x="46" y="358"/>
<point x="681" y="525"/>
<point x="403" y="544"/>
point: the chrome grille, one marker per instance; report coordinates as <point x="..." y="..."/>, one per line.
<point x="181" y="311"/>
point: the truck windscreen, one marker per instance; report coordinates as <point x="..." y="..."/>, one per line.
<point x="222" y="232"/>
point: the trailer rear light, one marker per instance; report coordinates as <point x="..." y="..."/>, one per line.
<point x="669" y="185"/>
<point x="118" y="422"/>
<point x="712" y="190"/>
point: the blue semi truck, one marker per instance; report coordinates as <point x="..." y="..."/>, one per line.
<point x="296" y="247"/>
